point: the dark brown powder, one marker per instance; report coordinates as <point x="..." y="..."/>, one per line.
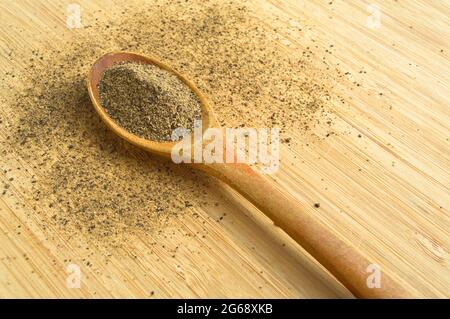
<point x="147" y="100"/>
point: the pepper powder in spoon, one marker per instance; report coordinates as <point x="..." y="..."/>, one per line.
<point x="148" y="101"/>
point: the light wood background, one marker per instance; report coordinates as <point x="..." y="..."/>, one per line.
<point x="387" y="192"/>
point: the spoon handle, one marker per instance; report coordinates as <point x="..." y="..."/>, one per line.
<point x="340" y="258"/>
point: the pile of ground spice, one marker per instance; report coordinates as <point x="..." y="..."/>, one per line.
<point x="147" y="100"/>
<point x="90" y="184"/>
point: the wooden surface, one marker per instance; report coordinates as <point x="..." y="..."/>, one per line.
<point x="386" y="192"/>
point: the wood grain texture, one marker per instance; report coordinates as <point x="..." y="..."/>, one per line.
<point x="387" y="191"/>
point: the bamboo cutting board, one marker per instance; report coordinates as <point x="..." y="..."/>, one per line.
<point x="382" y="177"/>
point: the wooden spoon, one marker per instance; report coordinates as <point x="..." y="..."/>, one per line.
<point x="339" y="257"/>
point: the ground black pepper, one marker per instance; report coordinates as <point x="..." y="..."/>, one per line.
<point x="147" y="100"/>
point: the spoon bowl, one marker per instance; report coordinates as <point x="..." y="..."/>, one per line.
<point x="94" y="77"/>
